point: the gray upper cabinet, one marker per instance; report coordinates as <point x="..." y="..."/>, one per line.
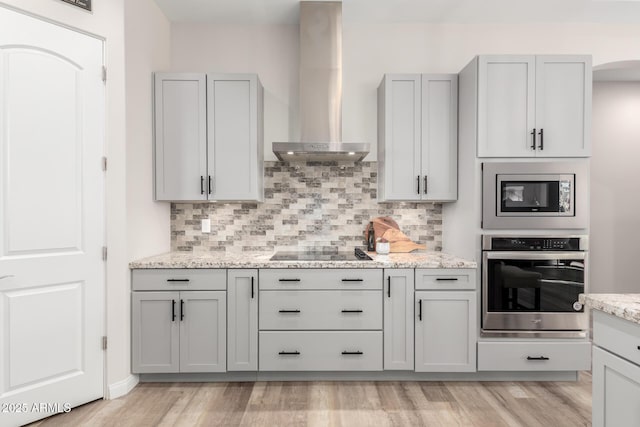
<point x="417" y="137"/>
<point x="533" y="106"/>
<point x="208" y="137"/>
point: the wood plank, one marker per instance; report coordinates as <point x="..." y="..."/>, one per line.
<point x="341" y="403"/>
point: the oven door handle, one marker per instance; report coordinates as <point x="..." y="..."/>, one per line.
<point x="534" y="255"/>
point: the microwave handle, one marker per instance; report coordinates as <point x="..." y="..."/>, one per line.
<point x="533" y="139"/>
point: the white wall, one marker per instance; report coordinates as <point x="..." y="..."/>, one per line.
<point x="106" y="21"/>
<point x="615" y="206"/>
<point x="369" y="51"/>
<point x="147" y="44"/>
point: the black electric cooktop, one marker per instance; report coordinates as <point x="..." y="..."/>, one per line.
<point x="357" y="255"/>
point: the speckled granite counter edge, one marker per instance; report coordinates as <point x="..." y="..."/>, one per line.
<point x="624" y="306"/>
<point x="408" y="260"/>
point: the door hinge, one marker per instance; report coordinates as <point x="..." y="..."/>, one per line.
<point x="104" y="253"/>
<point x="104" y="163"/>
<point x="104" y="74"/>
<point x="104" y="343"/>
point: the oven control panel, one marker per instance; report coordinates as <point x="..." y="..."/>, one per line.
<point x="535" y="243"/>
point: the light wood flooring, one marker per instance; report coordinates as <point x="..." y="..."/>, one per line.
<point x="333" y="403"/>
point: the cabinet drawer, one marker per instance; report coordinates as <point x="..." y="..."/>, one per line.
<point x="321" y="351"/>
<point x="320" y="310"/>
<point x="445" y="279"/>
<point x="289" y="278"/>
<point x="534" y="356"/>
<point x="179" y="279"/>
<point x="617" y="335"/>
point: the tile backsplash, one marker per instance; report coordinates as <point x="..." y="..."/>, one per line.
<point x="306" y="206"/>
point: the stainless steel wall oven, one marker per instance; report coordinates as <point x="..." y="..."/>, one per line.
<point x="535" y="195"/>
<point x="530" y="285"/>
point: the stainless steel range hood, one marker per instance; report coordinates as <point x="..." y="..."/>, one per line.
<point x="320" y="89"/>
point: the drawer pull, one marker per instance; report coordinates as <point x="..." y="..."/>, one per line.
<point x="289" y="353"/>
<point x="537" y="358"/>
<point x="353" y="280"/>
<point x="177" y="280"/>
<point x="288" y="280"/>
<point x="352" y="311"/>
<point x="446" y="279"/>
<point x="288" y="311"/>
<point x="351" y="352"/>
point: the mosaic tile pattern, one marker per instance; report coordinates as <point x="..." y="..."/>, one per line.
<point x="317" y="205"/>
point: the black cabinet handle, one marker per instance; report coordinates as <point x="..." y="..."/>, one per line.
<point x="181" y="310"/>
<point x="446" y="279"/>
<point x="537" y="358"/>
<point x="173" y="310"/>
<point x="288" y="353"/>
<point x="252" y="290"/>
<point x="352" y="311"/>
<point x="353" y="280"/>
<point x="533" y="139"/>
<point x="352" y="352"/>
<point x="210" y="184"/>
<point x="418" y="184"/>
<point x="541" y="133"/>
<point x="420" y="310"/>
<point x="288" y="280"/>
<point x="639" y="347"/>
<point x="288" y="311"/>
<point x="201" y="184"/>
<point x="425" y="184"/>
<point x="177" y="280"/>
<point x="389" y="287"/>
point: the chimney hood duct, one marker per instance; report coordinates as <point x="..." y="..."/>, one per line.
<point x="320" y="89"/>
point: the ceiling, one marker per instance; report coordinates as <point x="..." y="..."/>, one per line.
<point x="405" y="11"/>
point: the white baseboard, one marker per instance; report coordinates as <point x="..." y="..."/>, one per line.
<point x="122" y="387"/>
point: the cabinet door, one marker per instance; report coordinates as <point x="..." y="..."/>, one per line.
<point x="400" y="155"/>
<point x="234" y="164"/>
<point x="203" y="331"/>
<point x="242" y="320"/>
<point x="180" y="146"/>
<point x="445" y="331"/>
<point x="616" y="391"/>
<point x="155" y="337"/>
<point x="563" y="106"/>
<point x="439" y="137"/>
<point x="506" y="106"/>
<point x="398" y="319"/>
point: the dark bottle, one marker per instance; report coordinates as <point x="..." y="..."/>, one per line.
<point x="371" y="238"/>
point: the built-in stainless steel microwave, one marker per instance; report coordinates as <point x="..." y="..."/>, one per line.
<point x="540" y="195"/>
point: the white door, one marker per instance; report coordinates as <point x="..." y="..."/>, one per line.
<point x="51" y="217"/>
<point x="506" y="106"/>
<point x="242" y="318"/>
<point x="398" y="319"/>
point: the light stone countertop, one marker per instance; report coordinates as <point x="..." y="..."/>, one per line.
<point x="417" y="259"/>
<point x="625" y="306"/>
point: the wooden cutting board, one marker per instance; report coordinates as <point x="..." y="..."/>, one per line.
<point x="386" y="227"/>
<point x="399" y="242"/>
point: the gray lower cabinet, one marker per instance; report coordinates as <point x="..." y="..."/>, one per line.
<point x="616" y="371"/>
<point x="446" y="329"/>
<point x="179" y="331"/>
<point x="398" y="319"/>
<point x="242" y="320"/>
<point x="320" y="320"/>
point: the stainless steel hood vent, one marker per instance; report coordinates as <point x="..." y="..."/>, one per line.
<point x="320" y="89"/>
